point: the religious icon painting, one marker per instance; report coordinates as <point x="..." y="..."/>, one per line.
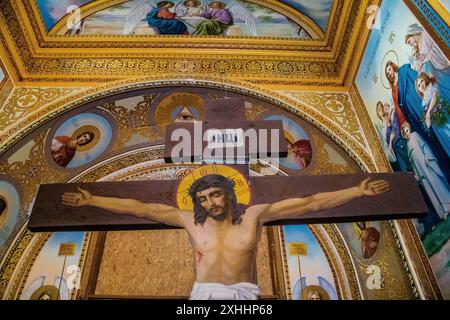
<point x="9" y="208"/>
<point x="80" y="140"/>
<point x="404" y="82"/>
<point x="300" y="151"/>
<point x="61" y="253"/>
<point x="363" y="238"/>
<point x="179" y="108"/>
<point x="310" y="275"/>
<point x="192" y="18"/>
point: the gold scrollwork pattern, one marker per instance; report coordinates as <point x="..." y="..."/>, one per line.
<point x="324" y="165"/>
<point x="24" y="101"/>
<point x="336" y="106"/>
<point x="133" y="122"/>
<point x="240" y="67"/>
<point x="11" y="261"/>
<point x="252" y="110"/>
<point x="32" y="171"/>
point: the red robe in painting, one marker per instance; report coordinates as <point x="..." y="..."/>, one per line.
<point x="64" y="154"/>
<point x="370" y="237"/>
<point x="302" y="153"/>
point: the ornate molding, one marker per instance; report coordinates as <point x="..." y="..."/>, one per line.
<point x="24" y="101"/>
<point x="13" y="257"/>
<point x="336" y="107"/>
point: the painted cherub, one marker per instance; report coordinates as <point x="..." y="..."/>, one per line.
<point x="433" y="110"/>
<point x="189" y="8"/>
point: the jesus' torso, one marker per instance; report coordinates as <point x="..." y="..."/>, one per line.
<point x="224" y="252"/>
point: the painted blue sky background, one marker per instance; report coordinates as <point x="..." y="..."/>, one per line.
<point x="2" y="75"/>
<point x="53" y="10"/>
<point x="314" y="264"/>
<point x="317" y="10"/>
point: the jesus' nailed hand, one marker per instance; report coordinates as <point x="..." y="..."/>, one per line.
<point x="224" y="234"/>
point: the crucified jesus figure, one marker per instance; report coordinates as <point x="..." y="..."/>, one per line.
<point x="224" y="234"/>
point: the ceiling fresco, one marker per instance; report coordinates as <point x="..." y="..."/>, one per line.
<point x="255" y="18"/>
<point x="239" y="18"/>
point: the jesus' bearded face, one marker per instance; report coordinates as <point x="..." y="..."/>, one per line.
<point x="391" y="74"/>
<point x="215" y="202"/>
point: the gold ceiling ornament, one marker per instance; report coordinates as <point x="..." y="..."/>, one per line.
<point x="13" y="259"/>
<point x="133" y="122"/>
<point x="253" y="110"/>
<point x="315" y="118"/>
<point x="323" y="165"/>
<point x="269" y="61"/>
<point x="337" y="107"/>
<point x="24" y="101"/>
<point x="33" y="171"/>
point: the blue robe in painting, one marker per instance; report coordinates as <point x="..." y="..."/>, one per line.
<point x="411" y="105"/>
<point x="165" y="26"/>
<point x="429" y="174"/>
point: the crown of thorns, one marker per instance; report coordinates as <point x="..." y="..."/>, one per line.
<point x="194" y="186"/>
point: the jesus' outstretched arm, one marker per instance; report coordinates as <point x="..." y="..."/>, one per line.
<point x="153" y="211"/>
<point x="292" y="208"/>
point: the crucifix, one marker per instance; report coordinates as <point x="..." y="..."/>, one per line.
<point x="220" y="206"/>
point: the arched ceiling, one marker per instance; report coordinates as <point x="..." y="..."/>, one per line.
<point x="32" y="54"/>
<point x="54" y="12"/>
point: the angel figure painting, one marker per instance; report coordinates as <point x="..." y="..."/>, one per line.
<point x="191" y="17"/>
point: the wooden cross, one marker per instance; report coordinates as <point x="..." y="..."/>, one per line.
<point x="385" y="197"/>
<point x="403" y="200"/>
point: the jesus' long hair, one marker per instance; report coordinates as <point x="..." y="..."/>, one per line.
<point x="215" y="181"/>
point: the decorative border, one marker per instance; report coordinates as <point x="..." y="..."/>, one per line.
<point x="405" y="265"/>
<point x="434" y="23"/>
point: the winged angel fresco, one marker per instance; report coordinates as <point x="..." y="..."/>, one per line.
<point x="191" y="17"/>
